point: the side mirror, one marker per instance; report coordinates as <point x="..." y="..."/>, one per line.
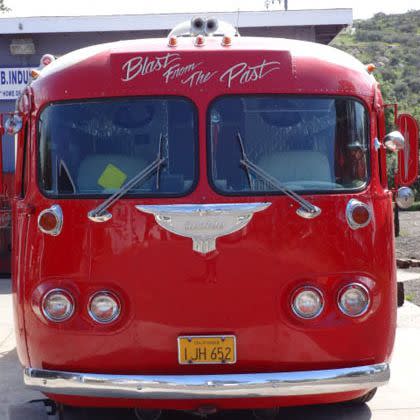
<point x="404" y="198"/>
<point x="408" y="157"/>
<point x="11" y="125"/>
<point x="394" y="141"/>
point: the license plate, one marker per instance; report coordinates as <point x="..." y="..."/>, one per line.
<point x="207" y="349"/>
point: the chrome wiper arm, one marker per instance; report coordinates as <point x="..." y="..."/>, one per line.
<point x="244" y="158"/>
<point x="307" y="209"/>
<point x="99" y="214"/>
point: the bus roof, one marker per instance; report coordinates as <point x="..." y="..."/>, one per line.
<point x="256" y="65"/>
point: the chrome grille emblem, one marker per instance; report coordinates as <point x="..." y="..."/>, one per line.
<point x="203" y="223"/>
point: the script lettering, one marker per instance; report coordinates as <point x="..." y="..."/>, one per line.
<point x="244" y="73"/>
<point x="177" y="71"/>
<point x="199" y="77"/>
<point x="145" y="65"/>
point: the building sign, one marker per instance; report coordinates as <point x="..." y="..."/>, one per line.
<point x="12" y="81"/>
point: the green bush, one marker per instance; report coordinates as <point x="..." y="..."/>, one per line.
<point x="393" y="43"/>
<point x="414" y="207"/>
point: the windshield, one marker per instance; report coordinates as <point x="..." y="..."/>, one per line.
<point x="96" y="147"/>
<point x="305" y="143"/>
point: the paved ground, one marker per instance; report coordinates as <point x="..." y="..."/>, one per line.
<point x="400" y="399"/>
<point x="408" y="246"/>
<point x="407" y="243"/>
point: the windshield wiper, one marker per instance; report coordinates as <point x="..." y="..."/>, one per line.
<point x="100" y="213"/>
<point x="307" y="209"/>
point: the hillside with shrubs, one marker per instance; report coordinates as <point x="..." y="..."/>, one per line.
<point x="392" y="43"/>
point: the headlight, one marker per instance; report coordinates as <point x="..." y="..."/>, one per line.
<point x="58" y="305"/>
<point x="104" y="307"/>
<point x="353" y="299"/>
<point x="307" y="302"/>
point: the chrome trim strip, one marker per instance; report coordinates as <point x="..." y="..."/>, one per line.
<point x="104" y="216"/>
<point x="203" y="223"/>
<point x="244" y="385"/>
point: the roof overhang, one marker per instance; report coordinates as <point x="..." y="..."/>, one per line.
<point x="338" y="18"/>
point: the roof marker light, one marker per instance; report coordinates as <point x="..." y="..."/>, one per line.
<point x="370" y="68"/>
<point x="226" y="41"/>
<point x="199" y="41"/>
<point x="35" y="74"/>
<point x="172" y="41"/>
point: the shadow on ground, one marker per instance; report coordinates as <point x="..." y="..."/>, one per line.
<point x="334" y="411"/>
<point x="13" y="395"/>
<point x="21" y="409"/>
<point x="5" y="286"/>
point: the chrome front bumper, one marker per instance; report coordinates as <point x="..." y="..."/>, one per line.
<point x="208" y="386"/>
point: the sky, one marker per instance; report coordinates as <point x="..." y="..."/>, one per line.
<point x="361" y="8"/>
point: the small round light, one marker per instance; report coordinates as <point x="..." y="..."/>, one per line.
<point x="58" y="305"/>
<point x="358" y="214"/>
<point x="307" y="302"/>
<point x="353" y="300"/>
<point x="104" y="307"/>
<point x="50" y="221"/>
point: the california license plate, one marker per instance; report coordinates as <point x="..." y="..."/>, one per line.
<point x="206" y="349"/>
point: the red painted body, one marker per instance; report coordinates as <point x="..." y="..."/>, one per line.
<point x="244" y="287"/>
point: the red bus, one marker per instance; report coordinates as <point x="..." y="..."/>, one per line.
<point x="204" y="222"/>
